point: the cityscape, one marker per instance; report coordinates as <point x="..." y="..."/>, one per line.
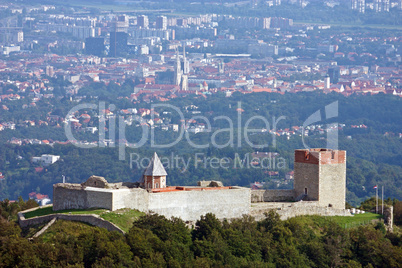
<point x="213" y="133"/>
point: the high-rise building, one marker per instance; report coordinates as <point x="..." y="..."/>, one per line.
<point x="385" y="7"/>
<point x="11" y="36"/>
<point x="161" y="23"/>
<point x="327" y="82"/>
<point x="181" y="22"/>
<point x="120" y="24"/>
<point x="334" y="73"/>
<point x="282" y="23"/>
<point x="142" y="21"/>
<point x="118" y="44"/>
<point x="377" y="5"/>
<point x="49" y="71"/>
<point x="265" y="23"/>
<point x="95" y="46"/>
<point x="353" y="4"/>
<point x="359" y="5"/>
<point x="300" y="3"/>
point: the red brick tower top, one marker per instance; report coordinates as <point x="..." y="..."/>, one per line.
<point x="320" y="156"/>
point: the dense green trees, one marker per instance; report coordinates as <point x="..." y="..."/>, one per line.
<point x="373" y="158"/>
<point x="154" y="241"/>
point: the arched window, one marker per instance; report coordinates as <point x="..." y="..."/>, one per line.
<point x="149" y="185"/>
<point x="156" y="185"/>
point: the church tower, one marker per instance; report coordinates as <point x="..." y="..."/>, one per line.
<point x="177" y="70"/>
<point x="186" y="64"/>
<point x="154" y="176"/>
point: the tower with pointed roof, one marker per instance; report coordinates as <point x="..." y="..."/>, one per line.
<point x="154" y="176"/>
<point x="177" y="70"/>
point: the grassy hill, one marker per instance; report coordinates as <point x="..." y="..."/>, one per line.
<point x="123" y="218"/>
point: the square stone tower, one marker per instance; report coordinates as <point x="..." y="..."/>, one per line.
<point x="320" y="175"/>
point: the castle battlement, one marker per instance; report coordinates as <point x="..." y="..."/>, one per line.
<point x="320" y="156"/>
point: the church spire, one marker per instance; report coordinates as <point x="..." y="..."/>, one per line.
<point x="186" y="65"/>
<point x="177" y="70"/>
<point x="155" y="167"/>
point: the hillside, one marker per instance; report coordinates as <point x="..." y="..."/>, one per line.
<point x="154" y="240"/>
<point x="123" y="218"/>
<point x="369" y="135"/>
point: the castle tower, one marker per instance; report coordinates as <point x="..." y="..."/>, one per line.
<point x="320" y="175"/>
<point x="154" y="176"/>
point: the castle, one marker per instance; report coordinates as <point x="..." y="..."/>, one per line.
<point x="319" y="188"/>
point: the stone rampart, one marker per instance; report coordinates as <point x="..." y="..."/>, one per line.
<point x="135" y="198"/>
<point x="184" y="204"/>
<point x="67" y="196"/>
<point x="288" y="210"/>
<point x="190" y="205"/>
<point x="71" y="196"/>
<point x="92" y="219"/>
<point x="332" y="188"/>
<point x="272" y="195"/>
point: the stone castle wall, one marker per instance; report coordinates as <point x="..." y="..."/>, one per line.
<point x="92" y="219"/>
<point x="136" y="198"/>
<point x="187" y="205"/>
<point x="272" y="195"/>
<point x="306" y="176"/>
<point x="332" y="185"/>
<point x="288" y="210"/>
<point x="65" y="197"/>
<point x="190" y="205"/>
<point x="70" y="196"/>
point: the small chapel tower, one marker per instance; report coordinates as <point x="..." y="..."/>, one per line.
<point x="154" y="176"/>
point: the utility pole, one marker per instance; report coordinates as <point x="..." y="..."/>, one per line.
<point x="376" y="199"/>
<point x="382" y="200"/>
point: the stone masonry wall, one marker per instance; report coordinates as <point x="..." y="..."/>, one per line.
<point x="190" y="205"/>
<point x="100" y="198"/>
<point x="66" y="197"/>
<point x="136" y="198"/>
<point x="272" y="195"/>
<point x="289" y="210"/>
<point x="87" y="218"/>
<point x="332" y="185"/>
<point x="306" y="176"/>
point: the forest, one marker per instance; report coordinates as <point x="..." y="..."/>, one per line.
<point x="373" y="156"/>
<point x="154" y="241"/>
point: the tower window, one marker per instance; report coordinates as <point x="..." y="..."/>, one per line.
<point x="305" y="190"/>
<point x="156" y="185"/>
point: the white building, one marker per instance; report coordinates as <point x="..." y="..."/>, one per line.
<point x="46" y="159"/>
